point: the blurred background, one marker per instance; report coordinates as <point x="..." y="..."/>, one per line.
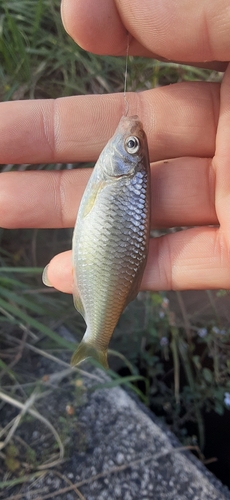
<point x="171" y="349"/>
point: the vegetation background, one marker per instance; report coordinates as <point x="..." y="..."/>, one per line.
<point x="172" y="349"/>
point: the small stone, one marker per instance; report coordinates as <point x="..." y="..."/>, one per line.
<point x="35" y="435"/>
<point x="119" y="458"/>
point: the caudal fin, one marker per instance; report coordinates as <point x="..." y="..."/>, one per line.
<point x="86" y="350"/>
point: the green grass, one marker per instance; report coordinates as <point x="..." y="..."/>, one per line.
<point x="174" y="367"/>
<point x="40" y="60"/>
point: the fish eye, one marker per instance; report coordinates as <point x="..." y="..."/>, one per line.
<point x="132" y="144"/>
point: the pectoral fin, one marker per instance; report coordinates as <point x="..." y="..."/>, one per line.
<point x="95" y="189"/>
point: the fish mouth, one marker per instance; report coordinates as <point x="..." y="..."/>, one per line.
<point x="130" y="125"/>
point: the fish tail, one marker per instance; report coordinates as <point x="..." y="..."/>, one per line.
<point x="87" y="350"/>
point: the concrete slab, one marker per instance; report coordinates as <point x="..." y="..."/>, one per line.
<point x="135" y="457"/>
<point x="119" y="450"/>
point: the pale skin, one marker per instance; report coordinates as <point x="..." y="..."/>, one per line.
<point x="188" y="129"/>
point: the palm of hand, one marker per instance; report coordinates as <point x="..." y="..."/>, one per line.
<point x="188" y="129"/>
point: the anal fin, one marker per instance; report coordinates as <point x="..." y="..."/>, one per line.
<point x="78" y="304"/>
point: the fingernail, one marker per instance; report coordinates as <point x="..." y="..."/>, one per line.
<point x="45" y="278"/>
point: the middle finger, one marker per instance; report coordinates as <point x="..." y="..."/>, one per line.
<point x="182" y="195"/>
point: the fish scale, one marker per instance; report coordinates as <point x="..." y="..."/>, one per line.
<point x="110" y="240"/>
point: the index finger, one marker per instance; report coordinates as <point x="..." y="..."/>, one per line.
<point x="179" y="120"/>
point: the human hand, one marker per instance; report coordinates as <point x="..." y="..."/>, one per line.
<point x="193" y="32"/>
<point x="190" y="189"/>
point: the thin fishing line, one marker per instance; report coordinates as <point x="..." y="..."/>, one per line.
<point x="126" y="76"/>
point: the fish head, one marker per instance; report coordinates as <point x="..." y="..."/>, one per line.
<point x="127" y="150"/>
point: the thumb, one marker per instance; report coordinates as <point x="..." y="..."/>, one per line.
<point x="178" y="31"/>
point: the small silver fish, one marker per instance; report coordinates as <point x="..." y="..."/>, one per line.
<point x="110" y="239"/>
